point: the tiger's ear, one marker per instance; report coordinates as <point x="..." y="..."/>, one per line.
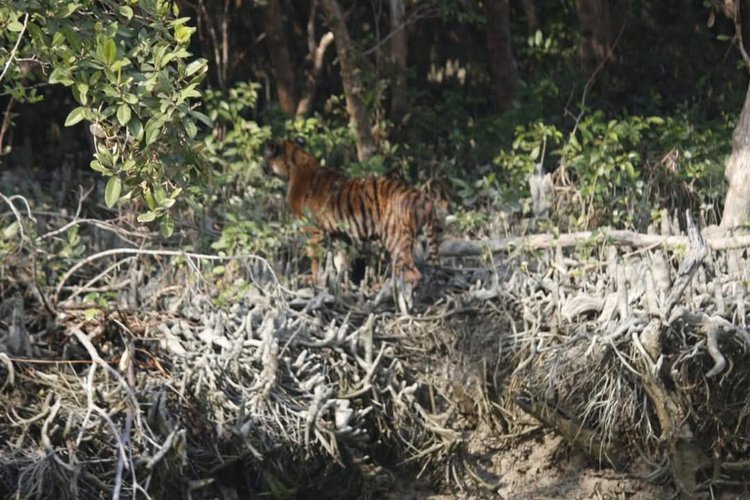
<point x="300" y="141"/>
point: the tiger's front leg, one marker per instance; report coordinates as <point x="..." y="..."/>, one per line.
<point x="314" y="248"/>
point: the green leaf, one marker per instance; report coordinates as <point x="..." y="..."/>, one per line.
<point x="189" y="92"/>
<point x="147" y="217"/>
<point x="153" y="129"/>
<point x="120" y="63"/>
<point x="82" y="90"/>
<point x="60" y="75"/>
<point x="190" y="128"/>
<point x="11" y="230"/>
<point x="91" y="313"/>
<point x="107" y="50"/>
<point x="15" y="26"/>
<point x="58" y="39"/>
<point x="656" y="120"/>
<point x="135" y="127"/>
<point x="112" y="191"/>
<point x="125" y="11"/>
<point x="123" y="114"/>
<point x="150" y="200"/>
<point x="75" y="116"/>
<point x="95" y="165"/>
<point x="69" y="9"/>
<point x="167" y="203"/>
<point x="130" y="99"/>
<point x="182" y="33"/>
<point x="202" y="118"/>
<point x="166" y="226"/>
<point x="195" y="66"/>
<point x="159" y="194"/>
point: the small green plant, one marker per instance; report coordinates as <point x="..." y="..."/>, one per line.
<point x="468" y="221"/>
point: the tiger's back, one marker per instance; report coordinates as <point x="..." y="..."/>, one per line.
<point x="375" y="208"/>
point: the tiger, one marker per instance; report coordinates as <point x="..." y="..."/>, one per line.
<point x="358" y="208"/>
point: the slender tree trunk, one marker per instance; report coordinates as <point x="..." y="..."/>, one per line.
<point x="737" y="203"/>
<point x="500" y="53"/>
<point x="359" y="119"/>
<point x="399" y="50"/>
<point x="281" y="62"/>
<point x="744" y="18"/>
<point x="311" y="87"/>
<point x="600" y="21"/>
<point x="532" y="20"/>
<point x="316" y="54"/>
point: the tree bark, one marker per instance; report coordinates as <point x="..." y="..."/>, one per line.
<point x="532" y="20"/>
<point x="737" y="172"/>
<point x="502" y="64"/>
<point x="281" y="61"/>
<point x="311" y="87"/>
<point x="399" y="49"/>
<point x="618" y="237"/>
<point x="316" y="52"/>
<point x="359" y="119"/>
<point x="599" y="26"/>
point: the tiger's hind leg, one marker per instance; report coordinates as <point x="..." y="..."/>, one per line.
<point x="405" y="275"/>
<point x="401" y="249"/>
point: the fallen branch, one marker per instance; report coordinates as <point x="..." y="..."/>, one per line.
<point x="567" y="240"/>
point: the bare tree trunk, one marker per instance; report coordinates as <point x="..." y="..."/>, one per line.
<point x="355" y="106"/>
<point x="311" y="88"/>
<point x="600" y="21"/>
<point x="737" y="203"/>
<point x="316" y="53"/>
<point x="399" y="50"/>
<point x="281" y="62"/>
<point x="213" y="41"/>
<point x="500" y="53"/>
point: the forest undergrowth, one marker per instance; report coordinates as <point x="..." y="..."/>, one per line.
<point x="131" y="366"/>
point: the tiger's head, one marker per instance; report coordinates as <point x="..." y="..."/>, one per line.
<point x="284" y="157"/>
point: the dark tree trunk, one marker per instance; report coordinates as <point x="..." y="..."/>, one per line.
<point x="744" y="15"/>
<point x="737" y="203"/>
<point x="532" y="20"/>
<point x="313" y="77"/>
<point x="281" y="62"/>
<point x="502" y="64"/>
<point x="601" y="21"/>
<point x="316" y="52"/>
<point x="399" y="50"/>
<point x="359" y="119"/>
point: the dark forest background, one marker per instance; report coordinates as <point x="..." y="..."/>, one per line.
<point x="628" y="104"/>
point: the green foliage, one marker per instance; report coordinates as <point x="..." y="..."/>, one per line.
<point x="323" y="135"/>
<point x="128" y="68"/>
<point x="531" y="145"/>
<point x="241" y="236"/>
<point x="617" y="166"/>
<point x="235" y="144"/>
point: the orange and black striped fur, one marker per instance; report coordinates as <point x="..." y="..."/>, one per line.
<point x="374" y="208"/>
